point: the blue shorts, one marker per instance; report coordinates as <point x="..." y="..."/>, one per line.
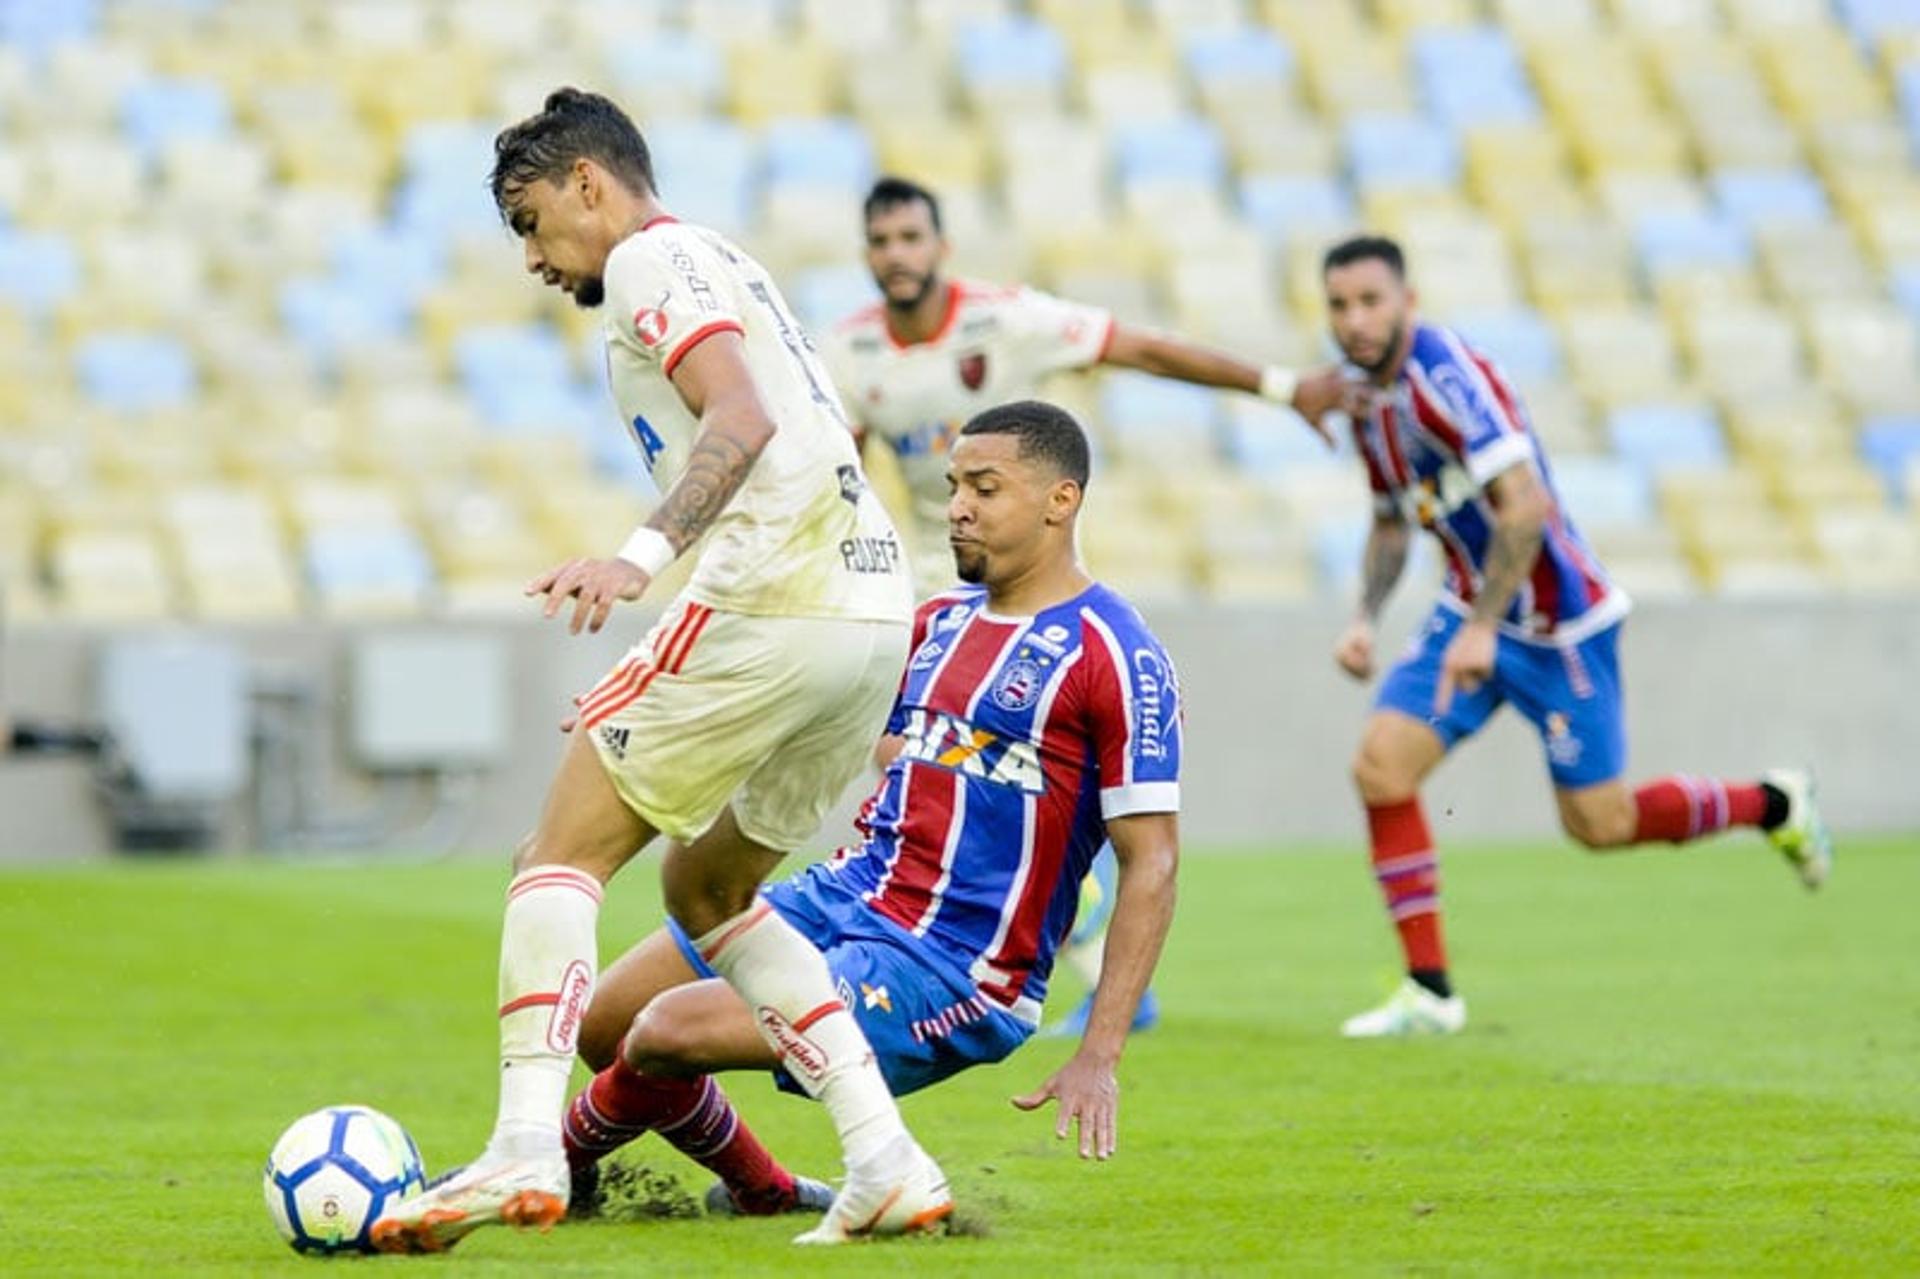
<point x="1571" y="696"/>
<point x="925" y="1020"/>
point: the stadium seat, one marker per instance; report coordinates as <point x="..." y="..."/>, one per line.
<point x="781" y="78"/>
<point x="1891" y="445"/>
<point x="135" y="373"/>
<point x="708" y="169"/>
<point x="1663" y="437"/>
<point x="329" y="317"/>
<point x="832" y="152"/>
<point x="111" y="576"/>
<point x="1152" y="418"/>
<point x="1235" y="65"/>
<point x="1399" y="151"/>
<point x="1745" y="348"/>
<point x="1280" y="205"/>
<point x="38" y="270"/>
<point x="1668" y="242"/>
<point x="1185" y="150"/>
<point x="1011" y="66"/>
<point x="36" y="28"/>
<point x="156" y="113"/>
<point x="1619" y="355"/>
<point x="1752" y="198"/>
<point x="367" y="571"/>
<point x="1264" y="437"/>
<point x="666" y="73"/>
<point x="1604" y="493"/>
<point x="1472" y="76"/>
<point x="1518" y="340"/>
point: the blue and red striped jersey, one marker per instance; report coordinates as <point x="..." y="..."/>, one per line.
<point x="1024" y="737"/>
<point x="1451" y="423"/>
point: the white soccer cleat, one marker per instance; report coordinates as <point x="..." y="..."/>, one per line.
<point x="1412" y="1009"/>
<point x="489" y="1191"/>
<point x="1802" y="838"/>
<point x="911" y="1200"/>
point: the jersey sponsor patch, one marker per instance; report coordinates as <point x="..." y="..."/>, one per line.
<point x="973" y="370"/>
<point x="948" y="742"/>
<point x="1152" y="687"/>
<point x="650" y="325"/>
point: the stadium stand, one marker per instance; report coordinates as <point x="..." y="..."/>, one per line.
<point x="250" y="272"/>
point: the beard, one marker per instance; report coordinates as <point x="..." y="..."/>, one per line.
<point x="1385" y="362"/>
<point x="970" y="565"/>
<point x="925" y="284"/>
<point x="589" y="293"/>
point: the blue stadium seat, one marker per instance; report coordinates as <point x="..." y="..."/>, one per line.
<point x="831" y="152"/>
<point x="135" y="372"/>
<point x="1398" y="151"/>
<point x="1890" y="444"/>
<point x="1667" y="241"/>
<point x="403" y="265"/>
<point x="36" y="26"/>
<point x="1751" y="197"/>
<point x="825" y="295"/>
<point x="38" y="270"/>
<point x="1905" y="283"/>
<point x="707" y="170"/>
<point x="1659" y="437"/>
<point x="540" y="407"/>
<point x="1157" y="418"/>
<point x="328" y="316"/>
<point x="1277" y="204"/>
<point x="499" y="361"/>
<point x="157" y="112"/>
<point x="1602" y="492"/>
<point x="1016" y="50"/>
<point x="1250" y="55"/>
<point x="345" y="560"/>
<point x="1871" y="19"/>
<point x="1182" y="150"/>
<point x="1262" y="437"/>
<point x="676" y="61"/>
<point x="1472" y="76"/>
<point x="1910" y="102"/>
<point x="450" y="151"/>
<point x="1517" y="338"/>
<point x="444" y="191"/>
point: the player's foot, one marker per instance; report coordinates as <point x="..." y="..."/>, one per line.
<point x="489" y="1191"/>
<point x="902" y="1192"/>
<point x="808" y="1196"/>
<point x="1412" y="1009"/>
<point x="1145" y="1018"/>
<point x="1802" y="838"/>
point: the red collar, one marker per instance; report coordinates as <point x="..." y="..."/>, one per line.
<point x="946" y="321"/>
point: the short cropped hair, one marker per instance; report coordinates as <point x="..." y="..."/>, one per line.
<point x="1047" y="433"/>
<point x="572" y="124"/>
<point x="891" y="193"/>
<point x="1362" y="247"/>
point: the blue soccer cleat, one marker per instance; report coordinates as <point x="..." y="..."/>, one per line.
<point x="1145" y="1018"/>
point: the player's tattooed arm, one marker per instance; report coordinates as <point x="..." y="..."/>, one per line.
<point x="735" y="427"/>
<point x="1521" y="504"/>
<point x="1382" y="564"/>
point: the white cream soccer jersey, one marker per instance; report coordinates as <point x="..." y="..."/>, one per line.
<point x="804" y="536"/>
<point x="994" y="345"/>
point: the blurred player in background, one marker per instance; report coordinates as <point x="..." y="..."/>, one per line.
<point x="737" y="722"/>
<point x="1037" y="718"/>
<point x="935" y="350"/>
<point x="1527" y="616"/>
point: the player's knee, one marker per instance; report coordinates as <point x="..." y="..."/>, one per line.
<point x="1377" y="778"/>
<point x="1598" y="828"/>
<point x="600" y="1034"/>
<point x="658" y="1043"/>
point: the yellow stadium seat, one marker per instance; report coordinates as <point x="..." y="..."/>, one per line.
<point x="1363" y="75"/>
<point x="1576" y="262"/>
<point x="1800" y="422"/>
<point x="943" y="153"/>
<point x="1403" y="16"/>
<point x="1284" y="141"/>
<point x="1819" y="75"/>
<point x="1547" y="16"/>
<point x="111" y="576"/>
<point x="911" y="82"/>
<point x="1502" y="152"/>
<point x="1813" y="262"/>
<point x="1856" y="343"/>
<point x="1807" y="486"/>
<point x="782" y="78"/>
<point x="1869" y="551"/>
<point x="1765" y="17"/>
<point x="1619" y="354"/>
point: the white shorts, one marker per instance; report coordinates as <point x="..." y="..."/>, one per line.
<point x="774" y="715"/>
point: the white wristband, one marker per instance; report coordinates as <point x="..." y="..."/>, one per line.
<point x="1277" y="384"/>
<point x="649" y="551"/>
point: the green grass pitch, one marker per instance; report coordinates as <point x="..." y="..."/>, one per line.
<point x="1678" y="1062"/>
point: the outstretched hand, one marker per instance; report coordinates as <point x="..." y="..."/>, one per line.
<point x="1087" y="1092"/>
<point x="594" y="585"/>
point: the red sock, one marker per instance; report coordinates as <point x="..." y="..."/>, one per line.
<point x="1409" y="875"/>
<point x="1681" y="808"/>
<point x="692" y="1115"/>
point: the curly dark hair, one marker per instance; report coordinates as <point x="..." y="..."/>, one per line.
<point x="571" y="124"/>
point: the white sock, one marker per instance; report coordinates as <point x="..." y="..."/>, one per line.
<point x="547" y="968"/>
<point x="786" y="983"/>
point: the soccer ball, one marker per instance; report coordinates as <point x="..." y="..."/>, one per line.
<point x="334" y="1172"/>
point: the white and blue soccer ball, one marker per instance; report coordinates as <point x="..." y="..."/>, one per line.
<point x="334" y="1172"/>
